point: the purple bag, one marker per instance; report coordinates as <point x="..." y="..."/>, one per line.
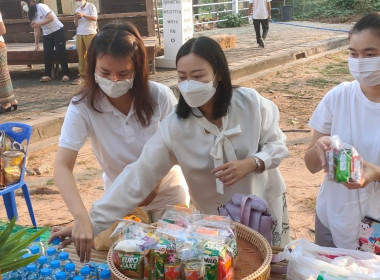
<point x="250" y="210"/>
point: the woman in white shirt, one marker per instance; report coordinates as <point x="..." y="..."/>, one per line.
<point x="351" y="110"/>
<point x="42" y="17"/>
<point x="118" y="109"/>
<point x="226" y="140"/>
<point x="7" y="97"/>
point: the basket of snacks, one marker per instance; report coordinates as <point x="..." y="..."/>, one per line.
<point x="189" y="246"/>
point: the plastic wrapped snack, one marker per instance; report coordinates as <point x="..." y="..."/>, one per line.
<point x="344" y="164"/>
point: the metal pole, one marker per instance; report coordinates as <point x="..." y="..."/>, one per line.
<point x="158" y="22"/>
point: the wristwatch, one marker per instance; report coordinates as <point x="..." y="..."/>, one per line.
<point x="258" y="163"/>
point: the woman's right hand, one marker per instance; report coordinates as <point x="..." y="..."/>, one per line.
<point x="322" y="145"/>
<point x="37" y="48"/>
<point x="83" y="238"/>
<point x="315" y="156"/>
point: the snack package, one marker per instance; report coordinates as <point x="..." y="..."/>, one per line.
<point x="217" y="262"/>
<point x="344" y="164"/>
<point x="128" y="260"/>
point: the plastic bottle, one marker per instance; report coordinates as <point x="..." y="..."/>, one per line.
<point x="60" y="275"/>
<point x="31" y="272"/>
<point x="56" y="242"/>
<point x="34" y="250"/>
<point x="17" y="274"/>
<point x="105" y="275"/>
<point x="250" y="19"/>
<point x="63" y="259"/>
<point x="42" y="262"/>
<point x="51" y="253"/>
<point x="78" y="278"/>
<point x="70" y="271"/>
<point x="85" y="273"/>
<point x="45" y="274"/>
<point x="40" y="245"/>
<point x="54" y="266"/>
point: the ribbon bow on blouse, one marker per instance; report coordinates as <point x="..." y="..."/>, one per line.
<point x="221" y="144"/>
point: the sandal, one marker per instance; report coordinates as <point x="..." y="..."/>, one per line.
<point x="5" y="110"/>
<point x="78" y="81"/>
<point x="65" y="78"/>
<point x="45" y="79"/>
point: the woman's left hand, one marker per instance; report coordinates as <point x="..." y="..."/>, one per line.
<point x="370" y="173"/>
<point x="233" y="171"/>
<point x="35" y="25"/>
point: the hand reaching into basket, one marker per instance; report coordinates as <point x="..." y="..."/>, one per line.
<point x="63" y="233"/>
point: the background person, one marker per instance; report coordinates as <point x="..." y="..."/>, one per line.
<point x="261" y="14"/>
<point x="226" y="140"/>
<point x="85" y="20"/>
<point x="351" y="110"/>
<point x="118" y="109"/>
<point x="42" y="17"/>
<point x="7" y="97"/>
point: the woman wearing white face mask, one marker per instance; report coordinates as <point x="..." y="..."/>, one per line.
<point x="352" y="111"/>
<point x="118" y="109"/>
<point x="86" y="21"/>
<point x="226" y="140"/>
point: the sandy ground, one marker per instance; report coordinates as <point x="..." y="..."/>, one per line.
<point x="296" y="91"/>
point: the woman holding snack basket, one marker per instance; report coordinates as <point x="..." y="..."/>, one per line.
<point x="226" y="140"/>
<point x="351" y="110"/>
<point x="118" y="109"/>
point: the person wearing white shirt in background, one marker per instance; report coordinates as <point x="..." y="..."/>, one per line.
<point x="42" y="17"/>
<point x="226" y="139"/>
<point x="119" y="110"/>
<point x="86" y="21"/>
<point x="260" y="10"/>
<point x="351" y="110"/>
<point x="7" y="97"/>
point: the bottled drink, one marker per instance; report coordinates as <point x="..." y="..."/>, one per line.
<point x="250" y="19"/>
<point x="56" y="242"/>
<point x="63" y="259"/>
<point x="54" y="266"/>
<point x="78" y="278"/>
<point x="45" y="274"/>
<point x="85" y="273"/>
<point x="31" y="272"/>
<point x="17" y="274"/>
<point x="70" y="271"/>
<point x="42" y="262"/>
<point x="40" y="245"/>
<point x="51" y="254"/>
<point x="34" y="250"/>
<point x="105" y="275"/>
<point x="60" y="275"/>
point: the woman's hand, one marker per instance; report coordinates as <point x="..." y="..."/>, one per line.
<point x="35" y="25"/>
<point x="315" y="156"/>
<point x="370" y="173"/>
<point x="233" y="171"/>
<point x="63" y="233"/>
<point x="37" y="48"/>
<point x="321" y="146"/>
<point x="83" y="237"/>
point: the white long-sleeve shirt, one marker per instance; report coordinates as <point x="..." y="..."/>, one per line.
<point x="251" y="127"/>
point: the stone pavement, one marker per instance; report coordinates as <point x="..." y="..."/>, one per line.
<point x="43" y="105"/>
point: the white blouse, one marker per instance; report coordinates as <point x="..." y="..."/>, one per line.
<point x="249" y="129"/>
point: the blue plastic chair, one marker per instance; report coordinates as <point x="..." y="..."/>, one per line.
<point x="18" y="132"/>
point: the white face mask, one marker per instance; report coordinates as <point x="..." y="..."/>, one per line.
<point x="197" y="93"/>
<point x="80" y="3"/>
<point x="365" y="70"/>
<point x="25" y="8"/>
<point x="114" y="89"/>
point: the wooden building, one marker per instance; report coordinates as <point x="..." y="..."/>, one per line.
<point x="139" y="12"/>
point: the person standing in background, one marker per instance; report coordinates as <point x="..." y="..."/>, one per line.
<point x="42" y="17"/>
<point x="261" y="15"/>
<point x="86" y="17"/>
<point x="7" y="97"/>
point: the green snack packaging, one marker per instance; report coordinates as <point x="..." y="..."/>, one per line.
<point x="343" y="166"/>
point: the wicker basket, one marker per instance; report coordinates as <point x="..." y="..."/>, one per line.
<point x="255" y="255"/>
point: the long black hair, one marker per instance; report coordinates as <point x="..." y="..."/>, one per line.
<point x="370" y="21"/>
<point x="32" y="10"/>
<point x="211" y="51"/>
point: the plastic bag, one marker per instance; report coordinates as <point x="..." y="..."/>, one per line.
<point x="310" y="261"/>
<point x="344" y="164"/>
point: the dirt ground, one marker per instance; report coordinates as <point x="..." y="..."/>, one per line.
<point x="296" y="91"/>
